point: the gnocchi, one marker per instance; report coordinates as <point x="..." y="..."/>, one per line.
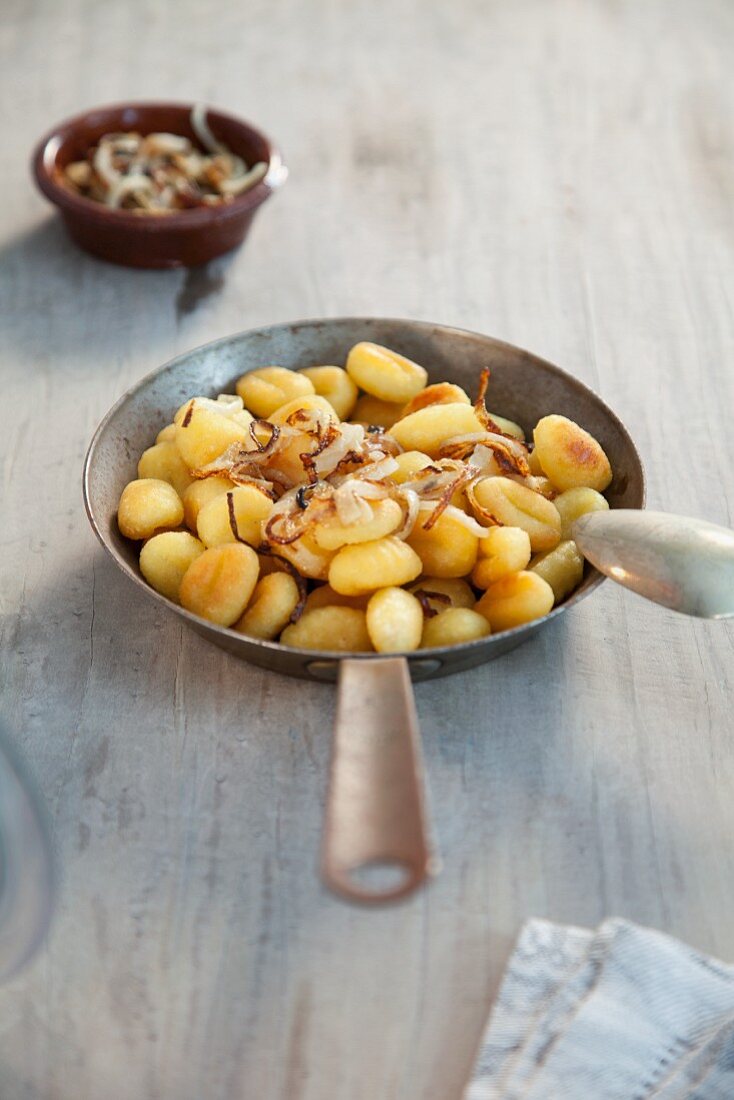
<point x="236" y="515"/>
<point x="146" y="506"/>
<point x="202" y="435"/>
<point x="335" y="385"/>
<point x="356" y="508"/>
<point x="409" y="463"/>
<point x="394" y="621"/>
<point x="219" y="583"/>
<point x="454" y="626"/>
<point x="569" y="456"/>
<point x="575" y="503"/>
<point x="503" y="550"/>
<point x="442" y="393"/>
<point x="500" y="500"/>
<point x="426" y="429"/>
<point x="165" y="558"/>
<point x="384" y="563"/>
<point x="562" y="568"/>
<point x="447" y="549"/>
<point x="341" y="628"/>
<point x="265" y="390"/>
<point x="384" y="517"/>
<point x="371" y="410"/>
<point x="164" y="462"/>
<point x="438" y="593"/>
<point x="515" y="599"/>
<point x="326" y="596"/>
<point x="200" y="493"/>
<point x="273" y="603"/>
<point x="385" y="374"/>
<point x="167" y="434"/>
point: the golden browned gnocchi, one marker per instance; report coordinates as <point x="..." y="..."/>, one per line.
<point x="367" y="566"/>
<point x="334" y="384"/>
<point x="442" y="393"/>
<point x="356" y="508"/>
<point x="265" y="390"/>
<point x="167" y="434"/>
<point x="202" y="435"/>
<point x="219" y="582"/>
<point x="165" y="558"/>
<point x="408" y="464"/>
<point x="272" y="606"/>
<point x="447" y="549"/>
<point x="503" y="501"/>
<point x="575" y="503"/>
<point x="371" y="410"/>
<point x="339" y="628"/>
<point x="200" y="493"/>
<point x="562" y="568"/>
<point x="146" y="506"/>
<point x="385" y="374"/>
<point x="298" y="408"/>
<point x="384" y="518"/>
<point x="454" y="626"/>
<point x="234" y="516"/>
<point x="534" y="464"/>
<point x="394" y="621"/>
<point x="509" y="427"/>
<point x="426" y="429"/>
<point x="164" y="462"/>
<point x="503" y="550"/>
<point x="514" y="600"/>
<point x="569" y="456"/>
<point x="438" y="593"/>
<point x="326" y="596"/>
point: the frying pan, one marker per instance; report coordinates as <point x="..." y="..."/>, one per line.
<point x="375" y="813"/>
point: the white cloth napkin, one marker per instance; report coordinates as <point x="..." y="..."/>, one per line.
<point x="622" y="1013"/>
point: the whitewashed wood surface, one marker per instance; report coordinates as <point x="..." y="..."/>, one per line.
<point x="557" y="174"/>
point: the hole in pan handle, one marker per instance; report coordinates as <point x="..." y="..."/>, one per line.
<point x="375" y="845"/>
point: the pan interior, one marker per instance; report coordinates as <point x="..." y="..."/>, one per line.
<point x="523" y="388"/>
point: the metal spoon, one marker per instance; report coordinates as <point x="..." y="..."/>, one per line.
<point x="677" y="561"/>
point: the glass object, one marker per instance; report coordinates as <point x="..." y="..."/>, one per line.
<point x="26" y="864"/>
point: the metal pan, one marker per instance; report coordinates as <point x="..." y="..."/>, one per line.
<point x="375" y="807"/>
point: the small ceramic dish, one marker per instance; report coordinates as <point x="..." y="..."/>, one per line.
<point x="182" y="239"/>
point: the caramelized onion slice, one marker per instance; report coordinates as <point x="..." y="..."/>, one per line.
<point x="289" y="519"/>
<point x="424" y="597"/>
<point x="350" y="499"/>
<point x="412" y="503"/>
<point x="467" y="521"/>
<point x="465" y="475"/>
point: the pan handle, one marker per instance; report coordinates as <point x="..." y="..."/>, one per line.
<point x="375" y="846"/>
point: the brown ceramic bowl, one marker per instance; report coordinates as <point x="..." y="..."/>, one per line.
<point x="183" y="239"/>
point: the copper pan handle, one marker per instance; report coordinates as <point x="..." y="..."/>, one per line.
<point x="375" y="811"/>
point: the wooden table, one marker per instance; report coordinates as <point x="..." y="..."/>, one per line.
<point x="558" y="175"/>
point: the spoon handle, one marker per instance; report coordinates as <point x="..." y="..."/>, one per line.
<point x="680" y="562"/>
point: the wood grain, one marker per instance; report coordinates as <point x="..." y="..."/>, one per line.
<point x="559" y="175"/>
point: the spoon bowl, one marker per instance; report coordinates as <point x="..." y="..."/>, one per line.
<point x="680" y="562"/>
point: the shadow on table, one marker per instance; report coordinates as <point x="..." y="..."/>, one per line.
<point x="219" y="814"/>
<point x="59" y="302"/>
<point x="12" y="1084"/>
